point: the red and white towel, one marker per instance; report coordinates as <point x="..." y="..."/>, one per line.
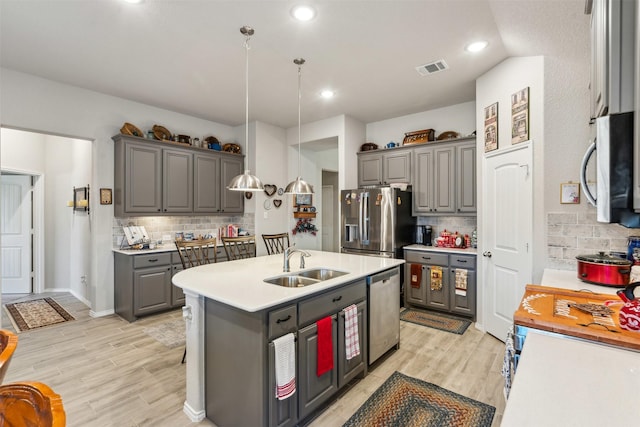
<point x="285" y="351"/>
<point x="351" y="339"/>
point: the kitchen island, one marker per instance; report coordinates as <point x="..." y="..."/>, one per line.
<point x="225" y="295"/>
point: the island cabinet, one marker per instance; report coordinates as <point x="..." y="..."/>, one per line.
<point x="240" y="378"/>
<point x="437" y="288"/>
<point x="166" y="178"/>
<point x="444" y="180"/>
<point x="384" y="167"/>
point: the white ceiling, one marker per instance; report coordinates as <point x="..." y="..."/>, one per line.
<point x="188" y="55"/>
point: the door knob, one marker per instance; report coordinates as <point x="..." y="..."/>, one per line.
<point x="487" y="254"/>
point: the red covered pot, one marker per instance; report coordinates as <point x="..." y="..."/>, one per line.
<point x="602" y="269"/>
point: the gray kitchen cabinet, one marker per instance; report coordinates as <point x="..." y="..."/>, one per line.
<point x="239" y="350"/>
<point x="177" y="181"/>
<point x="165" y="178"/>
<point x="444" y="179"/>
<point x="384" y="167"/>
<point x="466" y="178"/>
<point x="177" y="295"/>
<point x="446" y="297"/>
<point x="314" y="390"/>
<point x="151" y="290"/>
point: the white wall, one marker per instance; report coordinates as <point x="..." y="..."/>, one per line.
<point x="459" y="118"/>
<point x="62" y="163"/>
<point x="33" y="103"/>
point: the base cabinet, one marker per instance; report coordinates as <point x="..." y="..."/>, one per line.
<point x="239" y="350"/>
<point x="438" y="288"/>
<point x="151" y="290"/>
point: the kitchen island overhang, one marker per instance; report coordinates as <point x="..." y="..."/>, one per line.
<point x="240" y="285"/>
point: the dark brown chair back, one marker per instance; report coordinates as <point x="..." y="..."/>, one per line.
<point x="276" y="243"/>
<point x="239" y="247"/>
<point x="197" y="252"/>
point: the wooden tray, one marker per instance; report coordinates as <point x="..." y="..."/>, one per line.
<point x="542" y="308"/>
<point x="418" y="137"/>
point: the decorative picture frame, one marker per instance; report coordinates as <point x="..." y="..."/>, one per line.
<point x="303" y="199"/>
<point x="570" y="193"/>
<point x="81" y="199"/>
<point x="520" y="116"/>
<point x="106" y="196"/>
<point x="491" y="127"/>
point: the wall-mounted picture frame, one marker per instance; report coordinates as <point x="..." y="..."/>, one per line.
<point x="520" y="116"/>
<point x="81" y="199"/>
<point x="303" y="199"/>
<point x="106" y="196"/>
<point x="570" y="193"/>
<point x="491" y="127"/>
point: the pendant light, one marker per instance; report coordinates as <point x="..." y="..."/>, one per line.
<point x="246" y="181"/>
<point x="299" y="186"/>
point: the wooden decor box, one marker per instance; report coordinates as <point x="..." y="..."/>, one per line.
<point x="419" y="136"/>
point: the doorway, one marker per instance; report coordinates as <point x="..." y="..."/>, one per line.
<point x="60" y="238"/>
<point x="330" y="219"/>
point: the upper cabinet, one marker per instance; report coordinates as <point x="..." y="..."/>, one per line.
<point x="384" y="167"/>
<point x="612" y="56"/>
<point x="161" y="178"/>
<point x="444" y="179"/>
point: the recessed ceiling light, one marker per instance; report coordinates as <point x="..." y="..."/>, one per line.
<point x="476" y="46"/>
<point x="303" y="12"/>
<point x="327" y="93"/>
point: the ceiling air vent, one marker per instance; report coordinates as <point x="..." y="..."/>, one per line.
<point x="432" y="67"/>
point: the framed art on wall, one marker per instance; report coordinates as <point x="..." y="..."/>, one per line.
<point x="520" y="116"/>
<point x="570" y="193"/>
<point x="303" y="199"/>
<point x="491" y="127"/>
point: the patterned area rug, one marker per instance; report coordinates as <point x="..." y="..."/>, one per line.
<point x="171" y="333"/>
<point x="435" y="320"/>
<point x="404" y="401"/>
<point x="36" y="314"/>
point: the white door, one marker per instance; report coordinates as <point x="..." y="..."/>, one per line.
<point x="506" y="235"/>
<point x="327" y="218"/>
<point x="15" y="224"/>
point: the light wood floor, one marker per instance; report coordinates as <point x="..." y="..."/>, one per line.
<point x="110" y="373"/>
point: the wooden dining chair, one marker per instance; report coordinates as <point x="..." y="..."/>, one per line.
<point x="8" y="344"/>
<point x="30" y="404"/>
<point x="276" y="243"/>
<point x="239" y="247"/>
<point x="197" y="252"/>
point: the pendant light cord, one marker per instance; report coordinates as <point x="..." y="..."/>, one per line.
<point x="299" y="126"/>
<point x="248" y="32"/>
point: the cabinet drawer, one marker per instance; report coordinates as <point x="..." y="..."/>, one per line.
<point x="463" y="261"/>
<point x="315" y="308"/>
<point x="152" y="260"/>
<point x="282" y="321"/>
<point x="426" y="257"/>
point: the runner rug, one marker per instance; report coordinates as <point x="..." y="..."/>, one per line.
<point x="172" y="333"/>
<point x="435" y="320"/>
<point x="36" y="314"/>
<point x="404" y="401"/>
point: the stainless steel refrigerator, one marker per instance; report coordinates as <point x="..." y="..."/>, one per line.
<point x="376" y="221"/>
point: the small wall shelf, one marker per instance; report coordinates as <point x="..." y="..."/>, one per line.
<point x="304" y="214"/>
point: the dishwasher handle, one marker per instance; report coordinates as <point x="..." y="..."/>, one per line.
<point x="385" y="275"/>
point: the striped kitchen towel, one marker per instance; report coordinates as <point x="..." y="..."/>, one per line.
<point x="285" y="352"/>
<point x="351" y="339"/>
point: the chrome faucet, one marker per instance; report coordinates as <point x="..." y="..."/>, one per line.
<point x="288" y="253"/>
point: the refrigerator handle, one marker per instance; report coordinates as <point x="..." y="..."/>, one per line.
<point x="364" y="206"/>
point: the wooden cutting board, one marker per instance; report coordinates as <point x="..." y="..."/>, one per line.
<point x="547" y="308"/>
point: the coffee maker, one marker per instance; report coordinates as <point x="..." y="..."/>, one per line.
<point x="422" y="235"/>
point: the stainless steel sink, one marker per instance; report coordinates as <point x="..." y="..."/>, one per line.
<point x="291" y="281"/>
<point x="304" y="278"/>
<point x="321" y="274"/>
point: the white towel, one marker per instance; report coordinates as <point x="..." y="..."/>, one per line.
<point x="351" y="339"/>
<point x="285" y="350"/>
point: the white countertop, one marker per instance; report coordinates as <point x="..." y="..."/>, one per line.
<point x="568" y="382"/>
<point x="169" y="247"/>
<point x="568" y="279"/>
<point x="466" y="251"/>
<point x="240" y="283"/>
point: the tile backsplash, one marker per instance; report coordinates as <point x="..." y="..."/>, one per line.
<point x="571" y="234"/>
<point x="461" y="224"/>
<point x="157" y="226"/>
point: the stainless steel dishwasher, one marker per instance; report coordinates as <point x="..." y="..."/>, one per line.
<point x="383" y="290"/>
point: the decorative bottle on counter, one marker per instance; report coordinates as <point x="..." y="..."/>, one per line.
<point x="474" y="239"/>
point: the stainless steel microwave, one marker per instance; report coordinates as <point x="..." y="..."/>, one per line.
<point x="613" y="147"/>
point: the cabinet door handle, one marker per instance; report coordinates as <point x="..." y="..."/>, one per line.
<point x="337" y="299"/>
<point x="284" y="320"/>
<point x="426" y="257"/>
<point x="461" y="260"/>
<point x="159" y="210"/>
<point x="153" y="260"/>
